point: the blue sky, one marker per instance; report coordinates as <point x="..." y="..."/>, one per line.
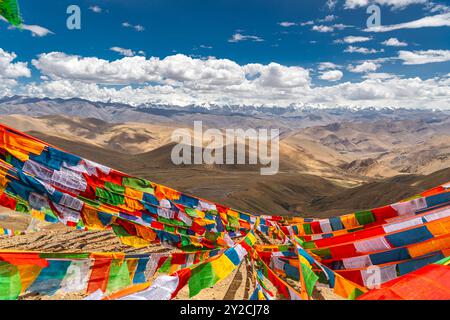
<point x="296" y="35"/>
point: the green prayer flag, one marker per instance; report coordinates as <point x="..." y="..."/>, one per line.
<point x="80" y="224"/>
<point x="22" y="207"/>
<point x="114" y="188"/>
<point x="166" y="265"/>
<point x="120" y="231"/>
<point x="90" y="202"/>
<point x="309" y="277"/>
<point x="138" y="184"/>
<point x="119" y="276"/>
<point x="169" y="229"/>
<point x="10" y="284"/>
<point x="365" y="217"/>
<point x="9" y="9"/>
<point x="50" y="215"/>
<point x="283" y="248"/>
<point x="234" y="222"/>
<point x="265" y="271"/>
<point x="324" y="253"/>
<point x="191" y="212"/>
<point x="202" y="277"/>
<point x="185" y="241"/>
<point x="309" y="245"/>
<point x="171" y="221"/>
<point x="307" y="228"/>
<point x="109" y="197"/>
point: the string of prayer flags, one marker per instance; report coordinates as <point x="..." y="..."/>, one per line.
<point x="405" y="243"/>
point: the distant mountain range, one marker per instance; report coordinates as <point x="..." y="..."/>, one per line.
<point x="301" y="115"/>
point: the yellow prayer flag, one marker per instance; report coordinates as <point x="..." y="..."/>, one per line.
<point x="349" y="221"/>
<point x="222" y="266"/>
<point x="134" y="194"/>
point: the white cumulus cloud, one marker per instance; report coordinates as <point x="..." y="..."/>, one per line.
<point x="10" y="69"/>
<point x="366" y="66"/>
<point x="424" y="56"/>
<point x="174" y="70"/>
<point x="332" y="75"/>
<point x="394" y="42"/>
